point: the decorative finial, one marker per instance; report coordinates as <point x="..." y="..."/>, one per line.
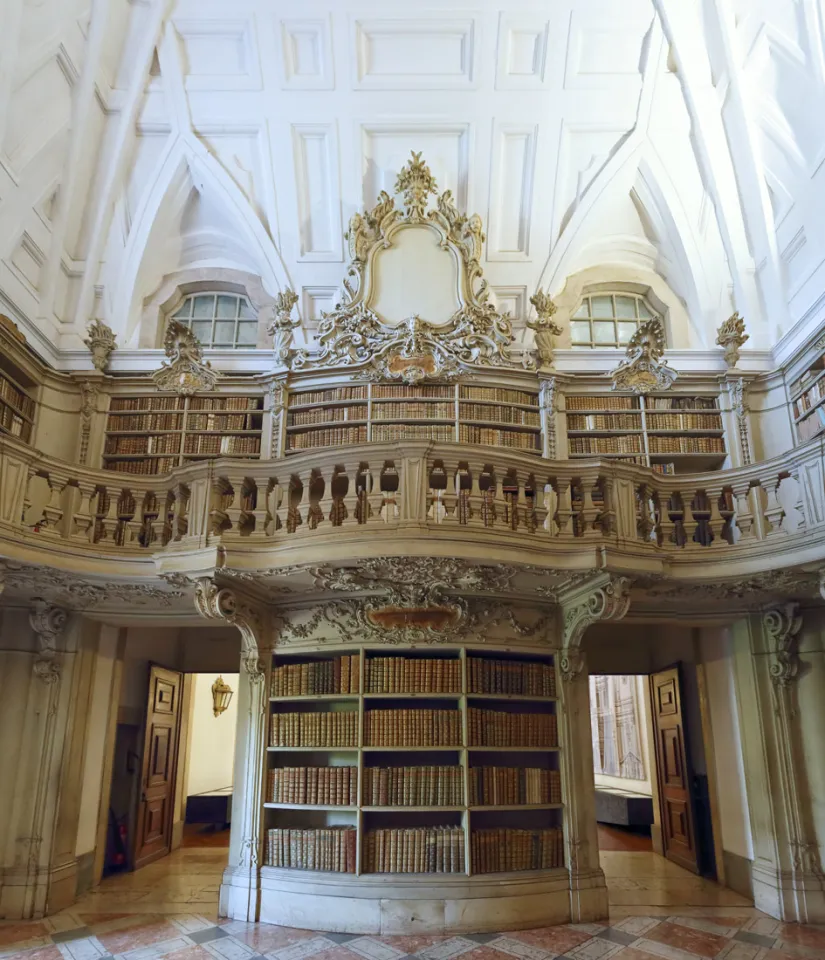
<point x="416" y="182"/>
<point x="731" y="338"/>
<point x="186" y="373"/>
<point x="644" y="370"/>
<point x="544" y="327"/>
<point x="100" y="340"/>
<point x="281" y="328"/>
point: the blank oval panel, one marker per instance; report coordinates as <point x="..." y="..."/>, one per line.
<point x="414" y="276"/>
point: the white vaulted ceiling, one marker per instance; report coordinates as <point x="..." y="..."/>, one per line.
<point x="659" y="141"/>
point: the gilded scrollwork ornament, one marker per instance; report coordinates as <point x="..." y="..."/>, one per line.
<point x="186" y="372"/>
<point x="414" y="349"/>
<point x="645" y="371"/>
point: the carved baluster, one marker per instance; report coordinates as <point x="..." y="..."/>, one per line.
<point x="551" y="503"/>
<point x="303" y="504"/>
<point x="667" y="523"/>
<point x="349" y="500"/>
<point x="133" y="515"/>
<point x="743" y="515"/>
<point x="221" y="499"/>
<point x="500" y="515"/>
<point x="564" y="514"/>
<point x="590" y="510"/>
<point x="110" y="521"/>
<point x="608" y="512"/>
<point x="716" y="521"/>
<point x="375" y="498"/>
<point x="258" y="512"/>
<point x="180" y="511"/>
<point x="31" y="473"/>
<point x="162" y="525"/>
<point x="689" y="523"/>
<point x="326" y="505"/>
<point x="799" y="504"/>
<point x="83" y="519"/>
<point x="774" y="511"/>
<point x="657" y="534"/>
<point x="274" y="501"/>
<point x="474" y="497"/>
<point x="450" y="497"/>
<point x="540" y="504"/>
<point x="285" y="515"/>
<point x="53" y="510"/>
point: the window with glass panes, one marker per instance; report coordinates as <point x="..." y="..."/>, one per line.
<point x="220" y="320"/>
<point x="608" y="319"/>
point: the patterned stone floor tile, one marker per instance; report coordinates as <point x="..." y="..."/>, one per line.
<point x="698" y="942"/>
<point x="19" y="932"/>
<point x="804" y="935"/>
<point x="556" y="940"/>
<point x="138" y="935"/>
<point x="486" y="952"/>
<point x="415" y="944"/>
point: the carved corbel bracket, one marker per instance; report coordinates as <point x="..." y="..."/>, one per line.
<point x="609" y="600"/>
<point x="782" y="626"/>
<point x="47" y="622"/>
<point x="214" y="602"/>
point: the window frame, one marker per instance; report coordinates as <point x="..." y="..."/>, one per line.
<point x="243" y="304"/>
<point x="639" y="299"/>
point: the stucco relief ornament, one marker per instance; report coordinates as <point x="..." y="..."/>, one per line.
<point x="47" y="622"/>
<point x="186" y="372"/>
<point x="282" y="328"/>
<point x="214" y="602"/>
<point x="414" y="349"/>
<point x="610" y="601"/>
<point x="782" y="626"/>
<point x="100" y="340"/>
<point x="644" y="370"/>
<point x="544" y="327"/>
<point x="731" y="337"/>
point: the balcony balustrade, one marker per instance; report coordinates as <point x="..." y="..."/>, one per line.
<point x="503" y="500"/>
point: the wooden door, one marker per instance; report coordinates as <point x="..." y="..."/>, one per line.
<point x="673" y="770"/>
<point x="160" y="763"/>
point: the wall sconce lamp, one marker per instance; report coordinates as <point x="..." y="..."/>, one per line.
<point x="221" y="695"/>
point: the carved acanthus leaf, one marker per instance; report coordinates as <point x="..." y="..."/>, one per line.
<point x="782" y="626"/>
<point x="645" y="370"/>
<point x="186" y="372"/>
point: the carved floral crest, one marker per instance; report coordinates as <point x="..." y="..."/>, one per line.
<point x="186" y="372"/>
<point x="544" y="326"/>
<point x="732" y="337"/>
<point x="100" y="340"/>
<point x="415" y="349"/>
<point x="283" y="326"/>
<point x="645" y="370"/>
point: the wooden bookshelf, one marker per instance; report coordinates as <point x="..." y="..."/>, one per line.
<point x="442" y="750"/>
<point x="808" y="401"/>
<point x="672" y="433"/>
<point x="16" y="409"/>
<point x="153" y="434"/>
<point x="381" y="412"/>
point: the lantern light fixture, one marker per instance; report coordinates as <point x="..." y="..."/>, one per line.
<point x="221" y="695"/>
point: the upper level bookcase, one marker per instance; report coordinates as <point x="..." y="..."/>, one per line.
<point x="672" y="433"/>
<point x="807" y="396"/>
<point x="16" y="408"/>
<point x="153" y="434"/>
<point x="373" y="412"/>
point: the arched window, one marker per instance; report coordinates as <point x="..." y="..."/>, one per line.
<point x="608" y="319"/>
<point x="222" y="320"/>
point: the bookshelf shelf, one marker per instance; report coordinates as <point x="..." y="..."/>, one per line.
<point x="669" y="433"/>
<point x="153" y="434"/>
<point x="16" y="409"/>
<point x="807" y="395"/>
<point x="417" y="803"/>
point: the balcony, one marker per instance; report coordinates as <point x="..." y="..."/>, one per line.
<point x="414" y="498"/>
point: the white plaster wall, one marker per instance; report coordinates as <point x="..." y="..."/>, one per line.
<point x="99" y="707"/>
<point x="734" y="816"/>
<point x="211" y="739"/>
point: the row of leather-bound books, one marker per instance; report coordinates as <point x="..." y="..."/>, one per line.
<point x="686" y="444"/>
<point x="621" y="443"/>
<point x="428" y="786"/>
<point x="504" y="676"/>
<point x="331" y="786"/>
<point x="340" y="675"/>
<point x="493" y="728"/>
<point x="415" y="850"/>
<point x="331" y="395"/>
<point x="412" y="728"/>
<point x="328" y="848"/>
<point x="328" y="437"/>
<point x="333" y="729"/>
<point x="490" y="436"/>
<point x="512" y="786"/>
<point x="412" y="675"/>
<point x="502" y="850"/>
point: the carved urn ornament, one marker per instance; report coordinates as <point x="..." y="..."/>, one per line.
<point x="413" y="347"/>
<point x="731" y="337"/>
<point x="282" y="328"/>
<point x="186" y="372"/>
<point x="644" y="370"/>
<point x="544" y="327"/>
<point x="100" y="340"/>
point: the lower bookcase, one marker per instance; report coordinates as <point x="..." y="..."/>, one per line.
<point x="412" y="790"/>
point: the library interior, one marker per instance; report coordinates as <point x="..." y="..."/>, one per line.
<point x="412" y="476"/>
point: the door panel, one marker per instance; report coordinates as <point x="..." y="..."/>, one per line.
<point x="673" y="770"/>
<point x="160" y="761"/>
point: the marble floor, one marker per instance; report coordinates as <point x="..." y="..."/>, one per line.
<point x="169" y="910"/>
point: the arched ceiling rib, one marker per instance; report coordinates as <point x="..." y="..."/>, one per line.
<point x="663" y="135"/>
